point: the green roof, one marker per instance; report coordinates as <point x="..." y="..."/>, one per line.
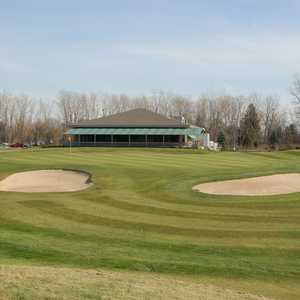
<point x="194" y="132"/>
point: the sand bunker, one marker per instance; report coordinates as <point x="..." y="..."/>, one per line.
<point x="46" y="181"/>
<point x="257" y="186"/>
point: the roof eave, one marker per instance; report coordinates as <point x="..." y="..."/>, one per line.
<point x="128" y="126"/>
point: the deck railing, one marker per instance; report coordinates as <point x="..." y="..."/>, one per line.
<point x="121" y="144"/>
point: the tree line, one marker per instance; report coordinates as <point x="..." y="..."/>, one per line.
<point x="243" y="121"/>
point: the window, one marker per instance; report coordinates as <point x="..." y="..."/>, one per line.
<point x="87" y="138"/>
<point x="105" y="138"/>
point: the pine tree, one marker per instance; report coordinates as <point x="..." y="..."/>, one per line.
<point x="198" y="121"/>
<point x="221" y="139"/>
<point x="250" y="127"/>
<point x="273" y="139"/>
<point x="291" y="134"/>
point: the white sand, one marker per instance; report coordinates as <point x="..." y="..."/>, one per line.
<point x="265" y="185"/>
<point x="45" y="181"/>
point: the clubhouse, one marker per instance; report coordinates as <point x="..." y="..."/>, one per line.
<point x="136" y="128"/>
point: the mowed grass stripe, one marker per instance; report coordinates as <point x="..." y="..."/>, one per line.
<point x="76" y="216"/>
<point x="200" y="158"/>
<point x="184" y="248"/>
<point x="160" y="160"/>
<point x="30" y="254"/>
<point x="150" y="219"/>
<point x="184" y="162"/>
<point x="167" y="162"/>
<point x="268" y="203"/>
<point x="203" y="258"/>
<point x="131" y="207"/>
<point x="137" y="199"/>
<point x="112" y="159"/>
<point x="11" y="251"/>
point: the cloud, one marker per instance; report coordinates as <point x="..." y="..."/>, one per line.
<point x="282" y="53"/>
<point x="14" y="68"/>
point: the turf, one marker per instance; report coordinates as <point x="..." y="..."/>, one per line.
<point x="142" y="215"/>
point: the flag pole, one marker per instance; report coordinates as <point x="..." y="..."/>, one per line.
<point x="70" y="142"/>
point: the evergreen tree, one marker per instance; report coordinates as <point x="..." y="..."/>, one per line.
<point x="291" y="134"/>
<point x="198" y="121"/>
<point x="273" y="138"/>
<point x="250" y="127"/>
<point x="221" y="139"/>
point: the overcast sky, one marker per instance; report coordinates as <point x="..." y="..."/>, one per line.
<point x="135" y="46"/>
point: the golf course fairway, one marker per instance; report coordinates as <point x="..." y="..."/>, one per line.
<point x="141" y="232"/>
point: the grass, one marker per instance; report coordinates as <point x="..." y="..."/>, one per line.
<point x="141" y="215"/>
<point x="54" y="283"/>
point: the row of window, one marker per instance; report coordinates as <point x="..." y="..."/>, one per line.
<point x="131" y="138"/>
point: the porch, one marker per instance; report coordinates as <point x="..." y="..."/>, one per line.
<point x="89" y="140"/>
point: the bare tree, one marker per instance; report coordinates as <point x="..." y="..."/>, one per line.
<point x="24" y="119"/>
<point x="270" y="115"/>
<point x="201" y="112"/>
<point x="295" y="91"/>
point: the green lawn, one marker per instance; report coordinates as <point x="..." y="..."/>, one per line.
<point x="141" y="215"/>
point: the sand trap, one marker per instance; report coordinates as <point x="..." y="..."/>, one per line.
<point x="46" y="181"/>
<point x="257" y="186"/>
